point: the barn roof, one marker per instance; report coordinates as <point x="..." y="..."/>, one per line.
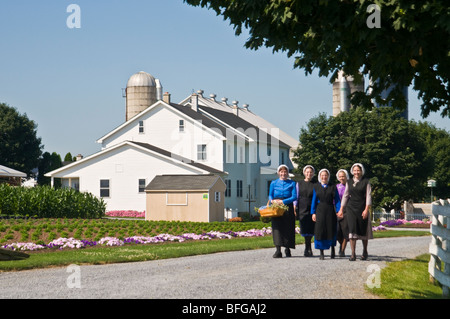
<point x="6" y="171"/>
<point x="182" y="182"/>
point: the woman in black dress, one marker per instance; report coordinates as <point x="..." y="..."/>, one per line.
<point x="305" y="193"/>
<point x="357" y="201"/>
<point x="325" y="204"/>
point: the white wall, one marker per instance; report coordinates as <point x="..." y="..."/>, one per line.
<point x="161" y="129"/>
<point x="123" y="167"/>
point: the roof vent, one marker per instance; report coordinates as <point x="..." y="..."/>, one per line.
<point x="200" y="92"/>
<point x="212" y="96"/>
<point x="224" y="100"/>
<point x="235" y="108"/>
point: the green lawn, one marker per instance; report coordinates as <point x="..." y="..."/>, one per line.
<point x="408" y="279"/>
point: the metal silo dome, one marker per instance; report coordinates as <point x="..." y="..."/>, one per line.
<point x="141" y="79"/>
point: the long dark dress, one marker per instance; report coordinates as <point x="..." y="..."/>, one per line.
<point x="283" y="228"/>
<point x="355" y="206"/>
<point x="305" y="194"/>
<point x="342" y="232"/>
<point x="325" y="204"/>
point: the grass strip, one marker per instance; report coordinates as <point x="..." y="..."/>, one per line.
<point x="407" y="279"/>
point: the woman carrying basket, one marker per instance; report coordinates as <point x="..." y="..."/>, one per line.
<point x="283" y="191"/>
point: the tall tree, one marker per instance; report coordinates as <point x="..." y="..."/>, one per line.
<point x="48" y="163"/>
<point x="389" y="147"/>
<point x="20" y="148"/>
<point x="399" y="42"/>
<point x="68" y="157"/>
<point x="437" y="142"/>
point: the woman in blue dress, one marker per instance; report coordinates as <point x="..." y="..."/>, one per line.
<point x="283" y="191"/>
<point x="324" y="206"/>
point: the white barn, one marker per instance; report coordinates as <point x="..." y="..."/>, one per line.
<point x="198" y="136"/>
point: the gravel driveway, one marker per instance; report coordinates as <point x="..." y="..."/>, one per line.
<point x="235" y="275"/>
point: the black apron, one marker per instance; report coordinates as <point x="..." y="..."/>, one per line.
<point x="355" y="206"/>
<point x="305" y="193"/>
<point x="283" y="228"/>
<point x="326" y="220"/>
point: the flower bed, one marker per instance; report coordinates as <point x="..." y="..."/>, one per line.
<point x="125" y="213"/>
<point x="73" y="243"/>
<point x="62" y="243"/>
<point x="378" y="228"/>
<point x="406" y="223"/>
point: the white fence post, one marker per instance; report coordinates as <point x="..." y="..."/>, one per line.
<point x="439" y="265"/>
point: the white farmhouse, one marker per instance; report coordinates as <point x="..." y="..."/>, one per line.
<point x="199" y="136"/>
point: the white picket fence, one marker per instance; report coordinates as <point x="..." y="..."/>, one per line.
<point x="439" y="265"/>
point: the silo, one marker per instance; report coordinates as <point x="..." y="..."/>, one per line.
<point x="140" y="93"/>
<point x="384" y="94"/>
<point x="343" y="86"/>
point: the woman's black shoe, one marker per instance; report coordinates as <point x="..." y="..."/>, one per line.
<point x="364" y="255"/>
<point x="322" y="257"/>
<point x="287" y="251"/>
<point x="277" y="253"/>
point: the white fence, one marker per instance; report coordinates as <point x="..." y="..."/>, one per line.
<point x="439" y="265"/>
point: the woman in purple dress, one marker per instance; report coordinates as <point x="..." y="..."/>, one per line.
<point x="342" y="232"/>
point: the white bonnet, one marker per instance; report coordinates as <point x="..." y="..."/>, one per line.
<point x="309" y="166"/>
<point x="282" y="166"/>
<point x="324" y="170"/>
<point x="361" y="166"/>
<point x="342" y="170"/>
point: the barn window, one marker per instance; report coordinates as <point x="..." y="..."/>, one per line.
<point x="238" y="188"/>
<point x="141" y="185"/>
<point x="104" y="188"/>
<point x="228" y="189"/>
<point x="181" y="126"/>
<point x="201" y="152"/>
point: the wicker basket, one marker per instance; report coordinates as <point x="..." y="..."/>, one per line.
<point x="271" y="211"/>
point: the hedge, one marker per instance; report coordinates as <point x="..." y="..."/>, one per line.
<point x="46" y="202"/>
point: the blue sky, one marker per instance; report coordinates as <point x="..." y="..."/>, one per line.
<point x="69" y="81"/>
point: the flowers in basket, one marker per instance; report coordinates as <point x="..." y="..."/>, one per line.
<point x="273" y="210"/>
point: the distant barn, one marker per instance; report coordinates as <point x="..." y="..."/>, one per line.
<point x="11" y="176"/>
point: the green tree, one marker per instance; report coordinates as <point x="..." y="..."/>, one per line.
<point x="389" y="147"/>
<point x="437" y="142"/>
<point x="48" y="163"/>
<point x="20" y="148"/>
<point x="410" y="46"/>
<point x="68" y="158"/>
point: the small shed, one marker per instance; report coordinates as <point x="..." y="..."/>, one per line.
<point x="11" y="176"/>
<point x="197" y="198"/>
